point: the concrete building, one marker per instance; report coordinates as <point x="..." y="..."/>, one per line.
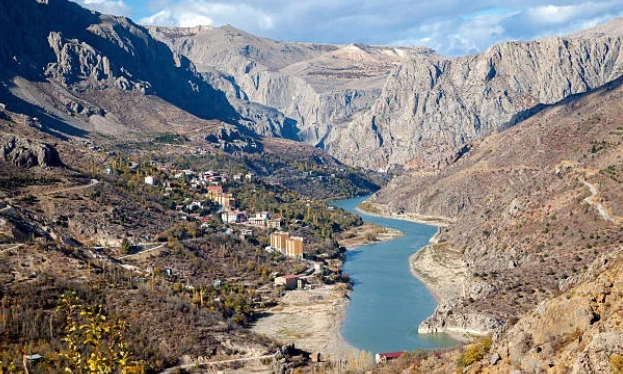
<point x="233" y="216"/>
<point x="274" y="223"/>
<point x="278" y="240"/>
<point x="294" y="247"/>
<point x="226" y="200"/>
<point x="150" y="180"/>
<point x="289" y="246"/>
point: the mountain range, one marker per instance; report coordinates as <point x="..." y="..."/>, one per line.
<point x="515" y="151"/>
<point x="372" y="106"/>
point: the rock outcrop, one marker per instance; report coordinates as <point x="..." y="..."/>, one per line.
<point x="446" y="319"/>
<point x="25" y="153"/>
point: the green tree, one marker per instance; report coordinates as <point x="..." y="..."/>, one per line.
<point x="126" y="246"/>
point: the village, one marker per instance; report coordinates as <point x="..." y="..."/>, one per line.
<point x="208" y="199"/>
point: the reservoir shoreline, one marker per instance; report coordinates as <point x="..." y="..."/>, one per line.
<point x="388" y="301"/>
<point x="291" y="321"/>
<point x="440" y="270"/>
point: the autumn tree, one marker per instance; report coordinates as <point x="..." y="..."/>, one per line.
<point x="92" y="343"/>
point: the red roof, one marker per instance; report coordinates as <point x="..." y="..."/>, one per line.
<point x="391" y="354"/>
<point x="290" y="276"/>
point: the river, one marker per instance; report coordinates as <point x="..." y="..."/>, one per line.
<point x="388" y="302"/>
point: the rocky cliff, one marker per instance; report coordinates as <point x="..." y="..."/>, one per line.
<point x="26" y="153"/>
<point x="431" y="107"/>
<point x="578" y="332"/>
<point x="380" y="107"/>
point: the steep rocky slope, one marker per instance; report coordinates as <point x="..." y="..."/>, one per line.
<point x="80" y="71"/>
<point x="431" y="107"/>
<point x="317" y="87"/>
<point x="526" y="209"/>
<point x="578" y="331"/>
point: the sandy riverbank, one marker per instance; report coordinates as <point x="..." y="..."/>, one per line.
<point x="367" y="234"/>
<point x="425" y="220"/>
<point x="312" y="320"/>
<point x="441" y="270"/>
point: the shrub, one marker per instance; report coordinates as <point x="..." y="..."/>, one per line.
<point x="475" y="352"/>
<point x="616" y="361"/>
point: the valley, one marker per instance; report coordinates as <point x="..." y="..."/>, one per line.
<point x="169" y="188"/>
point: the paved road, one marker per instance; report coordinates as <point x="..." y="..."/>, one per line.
<point x="141" y="252"/>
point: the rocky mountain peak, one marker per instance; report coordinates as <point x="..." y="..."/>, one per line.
<point x="611" y="29"/>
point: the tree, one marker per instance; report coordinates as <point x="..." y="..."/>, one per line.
<point x="126" y="246"/>
<point x="94" y="344"/>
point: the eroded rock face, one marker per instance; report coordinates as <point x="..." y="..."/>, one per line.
<point x="25" y="153"/>
<point x="432" y="106"/>
<point x="379" y="106"/>
<point x="316" y="87"/>
<point x="450" y="316"/>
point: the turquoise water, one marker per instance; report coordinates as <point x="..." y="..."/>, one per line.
<point x="388" y="303"/>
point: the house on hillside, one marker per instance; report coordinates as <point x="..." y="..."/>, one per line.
<point x="213" y="190"/>
<point x="290" y="281"/>
<point x="233" y="216"/>
<point x="150" y="180"/>
<point x="274" y="223"/>
<point x="382" y="358"/>
<point x="257" y="221"/>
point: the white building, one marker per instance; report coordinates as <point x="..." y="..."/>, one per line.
<point x="150" y="180"/>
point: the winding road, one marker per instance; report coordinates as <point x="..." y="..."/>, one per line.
<point x="592" y="200"/>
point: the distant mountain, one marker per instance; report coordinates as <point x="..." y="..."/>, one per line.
<point x="611" y="29"/>
<point x="318" y="88"/>
<point x="372" y="106"/>
<point x="380" y="107"/>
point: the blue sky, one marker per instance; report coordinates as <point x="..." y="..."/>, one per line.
<point x="452" y="27"/>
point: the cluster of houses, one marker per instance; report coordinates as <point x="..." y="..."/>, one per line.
<point x="216" y="194"/>
<point x="261" y="219"/>
<point x="197" y="180"/>
<point x="289" y="246"/>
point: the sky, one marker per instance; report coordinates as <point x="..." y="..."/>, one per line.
<point x="451" y="27"/>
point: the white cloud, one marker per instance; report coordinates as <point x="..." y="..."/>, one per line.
<point x="470" y="33"/>
<point x="452" y="27"/>
<point x="118" y="7"/>
<point x="558" y="15"/>
<point x="188" y="13"/>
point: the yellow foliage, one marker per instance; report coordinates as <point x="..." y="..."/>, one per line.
<point x="475" y="352"/>
<point x="93" y="344"/>
<point x="617" y="364"/>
